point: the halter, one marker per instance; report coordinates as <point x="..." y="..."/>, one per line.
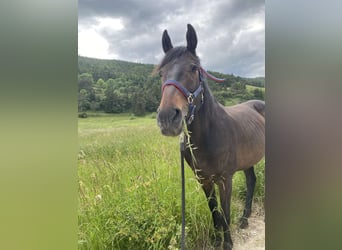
<point x="191" y="96"/>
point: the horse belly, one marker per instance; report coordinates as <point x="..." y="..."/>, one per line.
<point x="249" y="156"/>
<point x="251" y="143"/>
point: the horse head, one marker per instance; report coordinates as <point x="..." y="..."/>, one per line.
<point x="180" y="72"/>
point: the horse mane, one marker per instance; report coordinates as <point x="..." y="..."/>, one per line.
<point x="173" y="54"/>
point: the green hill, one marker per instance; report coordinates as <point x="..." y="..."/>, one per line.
<point x="106" y="69"/>
<point x="115" y="86"/>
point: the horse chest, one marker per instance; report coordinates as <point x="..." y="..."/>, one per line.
<point x="212" y="166"/>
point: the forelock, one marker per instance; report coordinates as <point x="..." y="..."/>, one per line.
<point x="174" y="53"/>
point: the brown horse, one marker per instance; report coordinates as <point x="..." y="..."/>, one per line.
<point x="226" y="139"/>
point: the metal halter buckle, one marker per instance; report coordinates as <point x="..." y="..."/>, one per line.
<point x="190" y="98"/>
<point x="191" y="118"/>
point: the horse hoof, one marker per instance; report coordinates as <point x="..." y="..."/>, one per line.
<point x="217" y="244"/>
<point x="216" y="241"/>
<point x="243" y="223"/>
<point x="227" y="246"/>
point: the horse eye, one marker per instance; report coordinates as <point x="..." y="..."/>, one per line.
<point x="160" y="73"/>
<point x="194" y="68"/>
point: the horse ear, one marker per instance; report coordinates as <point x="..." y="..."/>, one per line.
<point x="191" y="39"/>
<point x="166" y="41"/>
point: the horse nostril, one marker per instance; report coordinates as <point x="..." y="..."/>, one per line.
<point x="177" y="115"/>
<point x="169" y="117"/>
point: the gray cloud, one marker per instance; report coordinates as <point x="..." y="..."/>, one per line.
<point x="230" y="32"/>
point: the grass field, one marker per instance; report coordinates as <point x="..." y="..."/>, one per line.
<point x="130" y="188"/>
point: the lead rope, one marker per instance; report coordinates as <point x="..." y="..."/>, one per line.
<point x="182" y="148"/>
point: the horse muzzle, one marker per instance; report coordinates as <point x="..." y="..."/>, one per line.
<point x="170" y="121"/>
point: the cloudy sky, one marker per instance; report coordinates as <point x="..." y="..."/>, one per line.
<point x="231" y="33"/>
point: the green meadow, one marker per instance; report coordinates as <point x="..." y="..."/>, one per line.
<point x="130" y="188"/>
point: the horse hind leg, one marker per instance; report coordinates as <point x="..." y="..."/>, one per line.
<point x="250" y="182"/>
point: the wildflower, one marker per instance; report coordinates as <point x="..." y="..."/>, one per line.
<point x="98" y="197"/>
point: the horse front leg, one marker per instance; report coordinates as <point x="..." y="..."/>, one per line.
<point x="225" y="188"/>
<point x="209" y="190"/>
<point x="250" y="182"/>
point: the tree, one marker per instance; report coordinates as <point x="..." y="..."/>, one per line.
<point x="111" y="103"/>
<point x="83" y="102"/>
<point x="238" y="87"/>
<point x="101" y="83"/>
<point x="85" y="81"/>
<point x="138" y="104"/>
<point x="258" y="94"/>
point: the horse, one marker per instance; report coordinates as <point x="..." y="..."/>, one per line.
<point x="224" y="139"/>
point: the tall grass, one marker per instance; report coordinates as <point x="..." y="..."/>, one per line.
<point x="130" y="187"/>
